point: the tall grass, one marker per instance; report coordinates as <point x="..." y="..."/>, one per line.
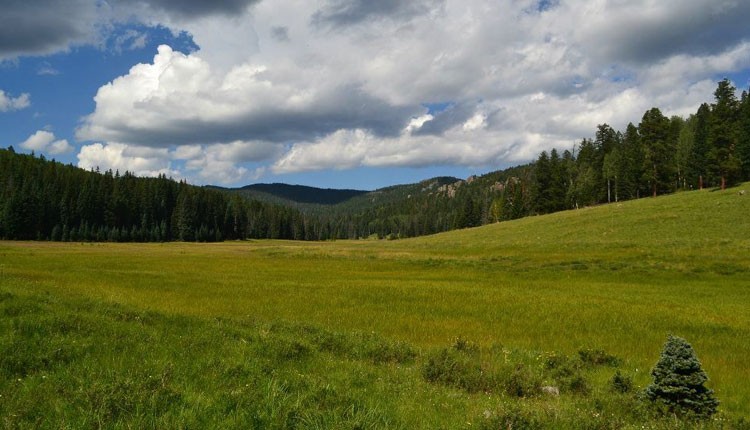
<point x="617" y="277"/>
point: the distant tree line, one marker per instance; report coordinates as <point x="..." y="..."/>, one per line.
<point x="47" y="200"/>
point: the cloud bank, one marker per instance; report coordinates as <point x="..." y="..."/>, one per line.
<point x="293" y="85"/>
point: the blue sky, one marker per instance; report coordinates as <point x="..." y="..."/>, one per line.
<point x="348" y="93"/>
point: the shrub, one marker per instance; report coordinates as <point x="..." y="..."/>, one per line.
<point x="555" y="361"/>
<point x="597" y="357"/>
<point x="578" y="385"/>
<point x="456" y="369"/>
<point x="621" y="383"/>
<point x="467" y="346"/>
<point x="522" y="382"/>
<point x="678" y="381"/>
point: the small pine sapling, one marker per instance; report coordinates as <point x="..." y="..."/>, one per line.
<point x="679" y="381"/>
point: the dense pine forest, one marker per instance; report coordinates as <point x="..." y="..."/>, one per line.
<point x="46" y="200"/>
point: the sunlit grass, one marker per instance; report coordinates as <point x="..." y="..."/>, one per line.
<point x="618" y="277"/>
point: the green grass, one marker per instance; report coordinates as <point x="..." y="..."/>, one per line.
<point x="617" y="278"/>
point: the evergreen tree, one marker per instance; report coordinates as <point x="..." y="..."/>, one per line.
<point x="543" y="185"/>
<point x="606" y="140"/>
<point x="612" y="170"/>
<point x="586" y="183"/>
<point x="679" y="381"/>
<point x="743" y="142"/>
<point x="698" y="174"/>
<point x="722" y="156"/>
<point x="658" y="150"/>
<point x="633" y="163"/>
<point x="558" y="182"/>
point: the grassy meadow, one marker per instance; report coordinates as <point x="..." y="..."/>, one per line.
<point x="273" y="334"/>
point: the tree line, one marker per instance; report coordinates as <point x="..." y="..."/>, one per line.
<point x="47" y="200"/>
<point x="710" y="148"/>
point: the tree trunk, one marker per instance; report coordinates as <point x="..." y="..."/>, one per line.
<point x="616" y="192"/>
<point x="723" y="182"/>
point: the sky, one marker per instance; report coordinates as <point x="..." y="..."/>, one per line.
<point x="348" y="93"/>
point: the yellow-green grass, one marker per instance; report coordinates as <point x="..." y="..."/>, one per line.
<point x="618" y="277"/>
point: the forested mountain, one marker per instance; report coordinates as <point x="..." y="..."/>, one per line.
<point x="427" y="207"/>
<point x="295" y="194"/>
<point x="46" y="200"/>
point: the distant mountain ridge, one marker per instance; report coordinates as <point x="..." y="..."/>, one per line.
<point x="303" y="193"/>
<point x="316" y="199"/>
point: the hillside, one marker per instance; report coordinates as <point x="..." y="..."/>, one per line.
<point x="295" y="194"/>
<point x="430" y="206"/>
<point x="313" y="199"/>
<point x="337" y="332"/>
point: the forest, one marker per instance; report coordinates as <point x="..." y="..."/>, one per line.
<point x="42" y="199"/>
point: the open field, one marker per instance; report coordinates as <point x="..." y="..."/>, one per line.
<point x="618" y="278"/>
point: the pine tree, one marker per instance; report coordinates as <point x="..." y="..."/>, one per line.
<point x="698" y="174"/>
<point x="722" y="156"/>
<point x="633" y="163"/>
<point x="743" y="143"/>
<point x="679" y="381"/>
<point x="658" y="150"/>
<point x="543" y="184"/>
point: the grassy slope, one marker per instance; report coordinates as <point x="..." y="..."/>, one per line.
<point x="618" y="277"/>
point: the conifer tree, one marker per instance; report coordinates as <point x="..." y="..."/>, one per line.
<point x="722" y="156"/>
<point x="679" y="381"/>
<point x="658" y="151"/>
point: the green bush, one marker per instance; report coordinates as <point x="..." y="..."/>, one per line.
<point x="679" y="381"/>
<point x="467" y="346"/>
<point x="522" y="382"/>
<point x="455" y="368"/>
<point x="621" y="383"/>
<point x="597" y="357"/>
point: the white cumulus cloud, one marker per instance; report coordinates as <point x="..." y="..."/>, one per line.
<point x="296" y="85"/>
<point x="45" y="141"/>
<point x="9" y="103"/>
<point x="120" y="157"/>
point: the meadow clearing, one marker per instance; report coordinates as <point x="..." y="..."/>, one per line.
<point x="616" y="278"/>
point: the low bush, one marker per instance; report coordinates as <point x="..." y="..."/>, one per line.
<point x="522" y="382"/>
<point x="455" y="368"/>
<point x="621" y="383"/>
<point x="597" y="357"/>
